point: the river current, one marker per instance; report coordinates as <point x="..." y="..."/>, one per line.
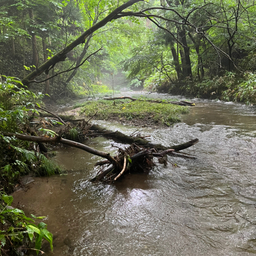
<point x="205" y="206"/>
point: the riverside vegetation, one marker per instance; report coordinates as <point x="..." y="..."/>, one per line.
<point x="139" y="112"/>
<point x="205" y="49"/>
<point x="19" y="233"/>
<point x="18" y="108"/>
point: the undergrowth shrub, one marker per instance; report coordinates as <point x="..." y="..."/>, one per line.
<point x="18" y="157"/>
<point x="17" y="231"/>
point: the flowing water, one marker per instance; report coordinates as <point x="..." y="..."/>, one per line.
<point x="196" y="207"/>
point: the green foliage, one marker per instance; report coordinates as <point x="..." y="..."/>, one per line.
<point x="244" y="90"/>
<point x="73" y="133"/>
<point x="229" y="87"/>
<point x="18" y="161"/>
<point x="16" y="104"/>
<point x="146" y="111"/>
<point x="91" y="90"/>
<point x="203" y="30"/>
<point x="18" y="231"/>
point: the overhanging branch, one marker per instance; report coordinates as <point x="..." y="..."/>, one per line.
<point x="68" y="70"/>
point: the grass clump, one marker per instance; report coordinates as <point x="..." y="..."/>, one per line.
<point x="137" y="111"/>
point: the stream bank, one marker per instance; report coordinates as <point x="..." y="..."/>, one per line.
<point x="228" y="87"/>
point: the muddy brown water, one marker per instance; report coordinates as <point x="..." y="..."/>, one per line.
<point x="196" y="207"/>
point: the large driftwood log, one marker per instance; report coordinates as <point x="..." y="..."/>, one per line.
<point x="180" y="103"/>
<point x="120" y="137"/>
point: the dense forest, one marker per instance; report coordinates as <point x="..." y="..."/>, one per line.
<point x="52" y="50"/>
<point x="201" y="48"/>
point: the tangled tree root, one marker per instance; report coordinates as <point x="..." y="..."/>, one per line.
<point x="133" y="159"/>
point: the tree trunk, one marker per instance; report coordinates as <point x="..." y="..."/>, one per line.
<point x="200" y="67"/>
<point x="176" y="62"/>
<point x="33" y="41"/>
<point x="186" y="63"/>
<point x="47" y="83"/>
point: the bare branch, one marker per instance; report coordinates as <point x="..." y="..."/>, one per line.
<point x="68" y="70"/>
<point x="64" y="141"/>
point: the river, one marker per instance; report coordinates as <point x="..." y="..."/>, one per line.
<point x="205" y="206"/>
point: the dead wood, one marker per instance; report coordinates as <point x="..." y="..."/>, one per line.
<point x="121" y="137"/>
<point x="121" y="98"/>
<point x="96" y="130"/>
<point x="63" y="141"/>
<point x="138" y="157"/>
<point x="124" y="168"/>
<point x="134" y="158"/>
<point x="180" y="103"/>
<point x="58" y="117"/>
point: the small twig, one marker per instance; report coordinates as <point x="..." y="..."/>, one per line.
<point x="161" y="154"/>
<point x="32" y="249"/>
<point x="52" y="114"/>
<point x="182" y="155"/>
<point x="91" y="117"/>
<point x="102" y="162"/>
<point x="133" y="133"/>
<point x="124" y="167"/>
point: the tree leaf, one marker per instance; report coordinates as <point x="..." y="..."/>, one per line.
<point x="33" y="228"/>
<point x="7" y="199"/>
<point x="2" y="241"/>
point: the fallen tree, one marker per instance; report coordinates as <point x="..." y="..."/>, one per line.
<point x="120" y="137"/>
<point x="93" y="130"/>
<point x="180" y="103"/>
<point x="135" y="158"/>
